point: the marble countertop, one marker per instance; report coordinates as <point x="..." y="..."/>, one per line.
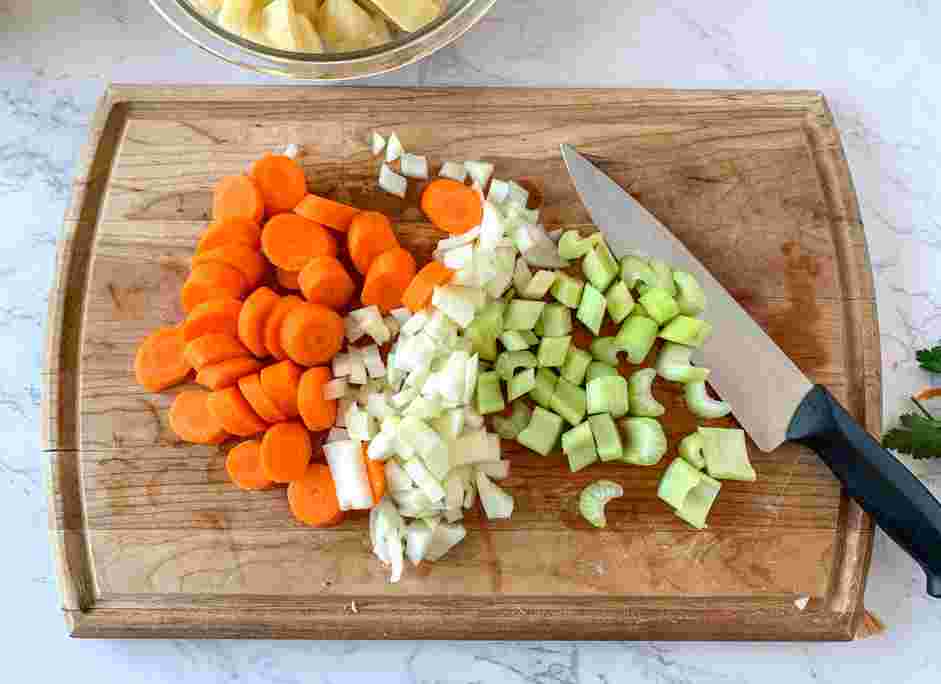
<point x="880" y="74"/>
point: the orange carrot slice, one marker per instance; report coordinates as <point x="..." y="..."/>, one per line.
<point x="312" y="334"/>
<point x="255" y="395"/>
<point x="327" y="212"/>
<point x="313" y="498"/>
<point x="324" y="281"/>
<point x="288" y="279"/>
<point x="316" y="412"/>
<point x="214" y="316"/>
<point x="237" y="197"/>
<point x="388" y="278"/>
<point x="252" y="319"/>
<point x="286" y="451"/>
<point x="191" y="420"/>
<point x="281" y="383"/>
<point x="249" y="262"/>
<point x="213" y="280"/>
<point x="281" y="181"/>
<point x="376" y="471"/>
<point x="240" y="231"/>
<point x="160" y="361"/>
<point x="215" y="348"/>
<point x="234" y="413"/>
<point x="418" y="294"/>
<point x="452" y="206"/>
<point x="370" y="235"/>
<point x="274" y="323"/>
<point x="243" y="464"/>
<point x="290" y="241"/>
<point x="227" y="373"/>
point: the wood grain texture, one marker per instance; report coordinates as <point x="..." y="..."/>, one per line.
<point x="152" y="541"/>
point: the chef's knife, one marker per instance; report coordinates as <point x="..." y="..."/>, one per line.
<point x="771" y="398"/>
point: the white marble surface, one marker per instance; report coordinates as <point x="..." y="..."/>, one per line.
<point x="878" y="64"/>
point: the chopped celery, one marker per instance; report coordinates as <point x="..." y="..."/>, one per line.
<point x="594" y="498"/>
<point x="600" y="267"/>
<point x="686" y="330"/>
<point x="486" y="328"/>
<point x="546" y="381"/>
<point x="698" y="502"/>
<point x="645" y="440"/>
<point x="529" y="336"/>
<point x="569" y="401"/>
<point x="522" y="314"/>
<point x="508" y="362"/>
<point x="620" y="301"/>
<point x="608" y="395"/>
<point x="450" y="425"/>
<point x="599" y="369"/>
<point x="513" y="340"/>
<point x="659" y="305"/>
<point x="635" y="270"/>
<point x="538" y="285"/>
<point x="489" y="393"/>
<point x="702" y="405"/>
<point x="553" y="350"/>
<point x="542" y="433"/>
<point x="679" y="479"/>
<point x="636" y="337"/>
<point x="673" y="364"/>
<point x="573" y="246"/>
<point x="579" y="445"/>
<point x="640" y="390"/>
<point x="726" y="454"/>
<point x="509" y="428"/>
<point x="605" y="349"/>
<point x="567" y="290"/>
<point x="522" y="383"/>
<point x="576" y="364"/>
<point x="607" y="438"/>
<point x="556" y="320"/>
<point x="664" y="276"/>
<point x="691" y="450"/>
<point x="592" y="308"/>
<point x="690" y="295"/>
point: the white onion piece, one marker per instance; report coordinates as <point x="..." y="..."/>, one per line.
<point x="479" y="171"/>
<point x="338" y="435"/>
<point x="456" y="305"/>
<point x="349" y="475"/>
<point x="414" y="166"/>
<point x="444" y="538"/>
<point x="394" y="148"/>
<point x="292" y="151"/>
<point x="458" y="258"/>
<point x="517" y="194"/>
<point x="499" y="191"/>
<point x="392" y="182"/>
<point x="459" y="240"/>
<point x="335" y="389"/>
<point x="492" y="228"/>
<point x="496" y="502"/>
<point x="495" y="470"/>
<point x="454" y="171"/>
<point x="402" y="315"/>
<point x="377" y="144"/>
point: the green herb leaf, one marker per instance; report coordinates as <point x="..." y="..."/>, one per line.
<point x="930" y="359"/>
<point x="918" y="436"/>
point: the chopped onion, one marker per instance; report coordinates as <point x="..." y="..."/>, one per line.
<point x="472" y="419"/>
<point x="392" y="182"/>
<point x="357" y="368"/>
<point x="397" y="479"/>
<point x="414" y="325"/>
<point x="496" y="502"/>
<point x="292" y="151"/>
<point x="521" y="275"/>
<point x="495" y="470"/>
<point x="338" y="435"/>
<point x="377" y="143"/>
<point x="471" y="369"/>
<point x="480" y="172"/>
<point x="417" y="540"/>
<point x="402" y="315"/>
<point x="381" y="447"/>
<point x="353" y="328"/>
<point x="335" y="389"/>
<point x="459" y="257"/>
<point x="386" y="530"/>
<point x="444" y="538"/>
<point x="414" y="166"/>
<point x="424" y="479"/>
<point x="492" y="228"/>
<point x="392" y="325"/>
<point x="517" y="194"/>
<point x="377" y="405"/>
<point x="360" y="424"/>
<point x="474" y="447"/>
<point x="454" y="171"/>
<point x="342" y="407"/>
<point x="454" y="303"/>
<point x="394" y="148"/>
<point x="556" y="235"/>
<point x="372" y="359"/>
<point x="340" y="365"/>
<point x="499" y="191"/>
<point x="458" y="240"/>
<point x="349" y="475"/>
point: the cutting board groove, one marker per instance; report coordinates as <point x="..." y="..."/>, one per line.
<point x="151" y="541"/>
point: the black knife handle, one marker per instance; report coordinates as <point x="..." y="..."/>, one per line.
<point x="899" y="503"/>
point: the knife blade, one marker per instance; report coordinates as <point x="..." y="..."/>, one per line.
<point x="770" y="397"/>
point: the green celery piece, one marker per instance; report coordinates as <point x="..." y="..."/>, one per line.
<point x="578" y="444"/>
<point x="659" y="305"/>
<point x="592" y="308"/>
<point x="509" y="428"/>
<point x="640" y="390"/>
<point x="686" y="330"/>
<point x="599" y="369"/>
<point x="576" y="365"/>
<point x="486" y="329"/>
<point x="553" y="350"/>
<point x="620" y="301"/>
<point x="679" y="479"/>
<point x="690" y="296"/>
<point x="489" y="393"/>
<point x="508" y="362"/>
<point x="698" y="502"/>
<point x="542" y="433"/>
<point x="567" y="290"/>
<point x="701" y="404"/>
<point x="636" y="337"/>
<point x="608" y="394"/>
<point x="530" y="337"/>
<point x="607" y="437"/>
<point x="605" y="349"/>
<point x="513" y="340"/>
<point x="594" y="498"/>
<point x="664" y="275"/>
<point x="646" y="443"/>
<point x="556" y="321"/>
<point x="569" y="401"/>
<point x="600" y="267"/>
<point x="521" y="384"/>
<point x="545" y="387"/>
<point x="691" y="450"/>
<point x="573" y="246"/>
<point x="635" y="270"/>
<point x="673" y="364"/>
<point x="522" y="314"/>
<point x="581" y="459"/>
<point x="726" y="454"/>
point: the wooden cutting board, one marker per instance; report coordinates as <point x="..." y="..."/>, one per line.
<point x="153" y="541"/>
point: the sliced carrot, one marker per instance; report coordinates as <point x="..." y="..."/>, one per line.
<point x="215" y="348"/>
<point x="191" y="420"/>
<point x="418" y="294"/>
<point x="370" y="235"/>
<point x="214" y="316"/>
<point x="255" y="395"/>
<point x="237" y="197"/>
<point x="322" y="210"/>
<point x="274" y="323"/>
<point x="249" y="262"/>
<point x="312" y="334"/>
<point x="388" y="278"/>
<point x="281" y="383"/>
<point x="244" y="466"/>
<point x="281" y="181"/>
<point x="324" y="281"/>
<point x="286" y="451"/>
<point x="236" y="415"/>
<point x="290" y="241"/>
<point x="255" y="312"/>
<point x="227" y="373"/>
<point x="452" y="206"/>
<point x="240" y="231"/>
<point x="213" y="280"/>
<point x="160" y="361"/>
<point x="313" y="498"/>
<point x="317" y="413"/>
<point x="928" y="393"/>
<point x="288" y="279"/>
<point x="376" y="471"/>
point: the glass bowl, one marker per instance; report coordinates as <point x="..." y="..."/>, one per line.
<point x="404" y="49"/>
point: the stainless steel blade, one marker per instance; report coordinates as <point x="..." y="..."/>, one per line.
<point x="763" y="386"/>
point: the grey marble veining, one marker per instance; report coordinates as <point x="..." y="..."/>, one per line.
<point x="879" y="65"/>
